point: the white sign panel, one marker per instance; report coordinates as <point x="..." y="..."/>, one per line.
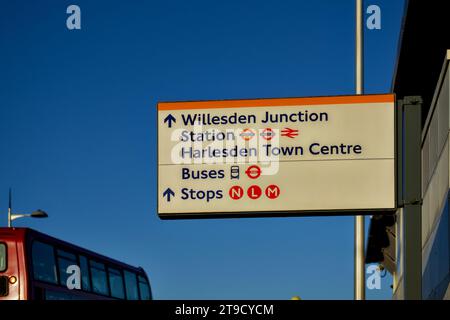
<point x="276" y="157"/>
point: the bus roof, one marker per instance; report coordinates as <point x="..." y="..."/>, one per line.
<point x="27" y="234"/>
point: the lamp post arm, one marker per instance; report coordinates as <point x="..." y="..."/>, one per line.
<point x="14" y="216"/>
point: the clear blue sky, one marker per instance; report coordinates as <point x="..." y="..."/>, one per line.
<point x="78" y="135"/>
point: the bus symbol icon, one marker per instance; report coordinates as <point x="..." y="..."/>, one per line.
<point x="234" y="172"/>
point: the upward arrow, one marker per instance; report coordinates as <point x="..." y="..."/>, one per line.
<point x="169" y="119"/>
<point x="168" y="193"/>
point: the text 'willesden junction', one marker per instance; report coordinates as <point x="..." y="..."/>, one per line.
<point x="269" y="156"/>
<point x="234" y="118"/>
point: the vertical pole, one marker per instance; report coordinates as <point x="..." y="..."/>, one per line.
<point x="412" y="192"/>
<point x="359" y="281"/>
<point x="9" y="208"/>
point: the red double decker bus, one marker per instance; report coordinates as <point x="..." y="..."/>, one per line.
<point x="34" y="266"/>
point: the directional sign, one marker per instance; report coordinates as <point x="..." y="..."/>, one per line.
<point x="276" y="157"/>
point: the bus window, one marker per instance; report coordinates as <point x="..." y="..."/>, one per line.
<point x="2" y="257"/>
<point x="85" y="279"/>
<point x="44" y="268"/>
<point x="65" y="259"/>
<point x="131" y="285"/>
<point x="99" y="280"/>
<point x="116" y="283"/>
<point x="144" y="289"/>
<point x="59" y="295"/>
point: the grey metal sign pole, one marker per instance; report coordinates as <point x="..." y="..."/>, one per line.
<point x="359" y="280"/>
<point x="412" y="194"/>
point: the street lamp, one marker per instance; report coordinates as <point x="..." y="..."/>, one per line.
<point x="13" y="216"/>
